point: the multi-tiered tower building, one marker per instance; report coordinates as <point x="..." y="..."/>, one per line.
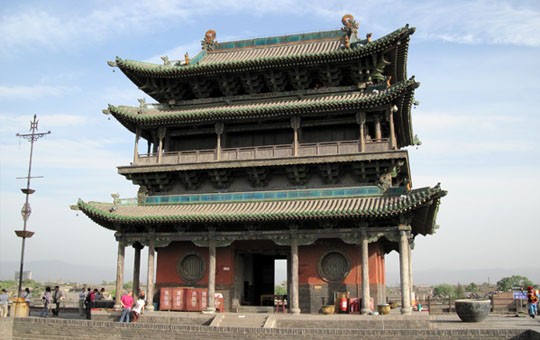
<point x="287" y="147"/>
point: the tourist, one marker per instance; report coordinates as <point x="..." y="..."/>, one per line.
<point x="141" y="294"/>
<point x="98" y="296"/>
<point x="137" y="310"/>
<point x="89" y="302"/>
<point x="46" y="298"/>
<point x="532" y="299"/>
<point x="102" y="294"/>
<point x="4" y="302"/>
<point x="127" y="302"/>
<point x="27" y="295"/>
<point x="82" y="297"/>
<point x="58" y="297"/>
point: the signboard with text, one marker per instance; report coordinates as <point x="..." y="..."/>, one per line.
<point x="519" y="295"/>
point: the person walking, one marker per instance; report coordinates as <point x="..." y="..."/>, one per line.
<point x="27" y="295"/>
<point x="127" y="303"/>
<point x="4" y="303"/>
<point x="46" y="298"/>
<point x="58" y="297"/>
<point x="89" y="302"/>
<point x="82" y="297"/>
<point x="532" y="299"/>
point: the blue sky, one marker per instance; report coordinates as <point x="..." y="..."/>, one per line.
<point x="477" y="61"/>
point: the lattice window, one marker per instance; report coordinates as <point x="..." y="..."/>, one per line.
<point x="191" y="268"/>
<point x="334" y="266"/>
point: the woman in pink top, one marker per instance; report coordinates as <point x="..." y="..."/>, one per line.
<point x="127" y="302"/>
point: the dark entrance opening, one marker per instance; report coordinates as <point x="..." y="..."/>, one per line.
<point x="256" y="275"/>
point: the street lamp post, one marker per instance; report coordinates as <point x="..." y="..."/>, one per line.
<point x="26" y="210"/>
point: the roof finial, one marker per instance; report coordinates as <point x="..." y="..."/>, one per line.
<point x="350" y="28"/>
<point x="186" y="59"/>
<point x="209" y="42"/>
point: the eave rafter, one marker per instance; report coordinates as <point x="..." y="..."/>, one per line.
<point x="298" y="66"/>
<point x="132" y="117"/>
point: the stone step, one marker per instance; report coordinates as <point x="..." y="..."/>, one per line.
<point x="243" y="320"/>
<point x="255" y="309"/>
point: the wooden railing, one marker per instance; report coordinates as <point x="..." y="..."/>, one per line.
<point x="263" y="152"/>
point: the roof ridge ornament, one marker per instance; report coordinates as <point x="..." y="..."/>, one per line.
<point x="166" y="61"/>
<point x="350" y="28"/>
<point x="209" y="42"/>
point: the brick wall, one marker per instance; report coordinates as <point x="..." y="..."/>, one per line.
<point x="37" y="328"/>
<point x="6" y="328"/>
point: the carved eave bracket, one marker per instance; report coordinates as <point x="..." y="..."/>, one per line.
<point x="301" y="241"/>
<point x="300" y="238"/>
<point x="220" y="178"/>
<point x="258" y="176"/>
<point x="190" y="179"/>
<point x="356" y="237"/>
<point x="405" y="221"/>
<point x="298" y="174"/>
<point x="204" y="243"/>
<point x="330" y="173"/>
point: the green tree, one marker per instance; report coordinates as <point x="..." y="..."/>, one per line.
<point x="444" y="290"/>
<point x="460" y="291"/>
<point x="472" y="287"/>
<point x="281" y="289"/>
<point x="128" y="285"/>
<point x="506" y="283"/>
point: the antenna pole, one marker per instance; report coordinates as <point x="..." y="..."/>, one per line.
<point x="26" y="210"/>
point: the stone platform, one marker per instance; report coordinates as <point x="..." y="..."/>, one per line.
<point x="175" y="325"/>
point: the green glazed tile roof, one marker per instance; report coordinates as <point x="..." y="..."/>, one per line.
<point x="269" y="57"/>
<point x="279" y="40"/>
<point x="130" y="116"/>
<point x="374" y="207"/>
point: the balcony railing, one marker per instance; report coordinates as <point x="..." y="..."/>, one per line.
<point x="263" y="152"/>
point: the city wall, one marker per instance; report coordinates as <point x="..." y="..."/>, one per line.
<point x="38" y="328"/>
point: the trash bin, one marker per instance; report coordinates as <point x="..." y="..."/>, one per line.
<point x="19" y="308"/>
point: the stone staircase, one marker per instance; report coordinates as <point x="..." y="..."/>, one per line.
<point x="255" y="309"/>
<point x="245" y="320"/>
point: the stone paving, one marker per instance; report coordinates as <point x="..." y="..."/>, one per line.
<point x="438" y="321"/>
<point x="493" y="321"/>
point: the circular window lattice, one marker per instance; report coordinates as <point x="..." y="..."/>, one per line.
<point x="334" y="266"/>
<point x="190" y="268"/>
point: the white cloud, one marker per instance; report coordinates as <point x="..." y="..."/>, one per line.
<point x="473" y="22"/>
<point x="69" y="154"/>
<point x="433" y="121"/>
<point x="456" y="147"/>
<point x="123" y="96"/>
<point x="9" y="123"/>
<point x="34" y="92"/>
<point x="177" y="53"/>
<point x="469" y="22"/>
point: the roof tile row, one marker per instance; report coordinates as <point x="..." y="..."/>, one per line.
<point x="260" y="211"/>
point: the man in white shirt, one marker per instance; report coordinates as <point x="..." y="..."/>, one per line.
<point x="82" y="297"/>
<point x="4" y="301"/>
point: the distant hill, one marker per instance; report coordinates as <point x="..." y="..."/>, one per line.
<point x="465" y="276"/>
<point x="60" y="271"/>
